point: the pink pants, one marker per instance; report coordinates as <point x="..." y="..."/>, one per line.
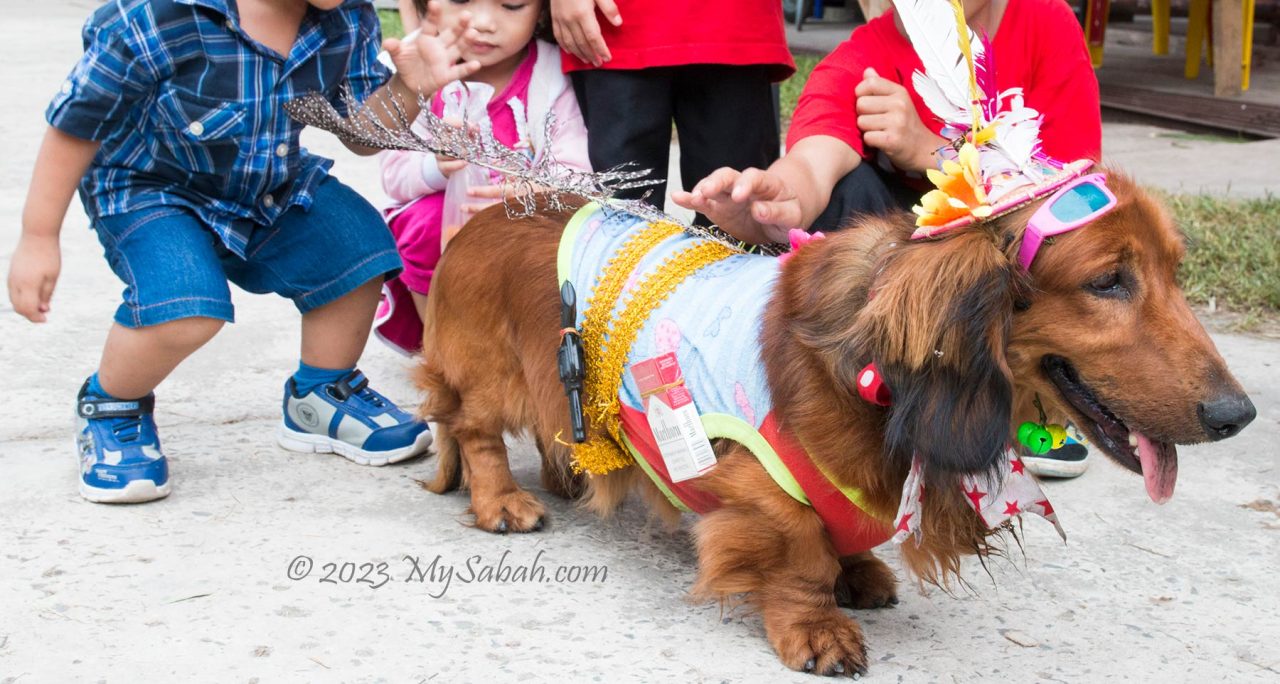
<point x="417" y="233"/>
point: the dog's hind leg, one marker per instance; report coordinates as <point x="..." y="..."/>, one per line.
<point x="449" y="466"/>
<point x="865" y="582"/>
<point x="442" y="405"/>
<point x="498" y="503"/>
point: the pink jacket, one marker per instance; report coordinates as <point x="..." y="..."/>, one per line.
<point x="410" y="176"/>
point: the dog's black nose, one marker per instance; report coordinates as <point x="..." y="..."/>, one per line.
<point x="1227" y="415"/>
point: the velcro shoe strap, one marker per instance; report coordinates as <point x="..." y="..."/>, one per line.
<point x="115" y="408"/>
<point x="350" y="384"/>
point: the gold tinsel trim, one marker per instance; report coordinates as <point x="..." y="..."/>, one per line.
<point x="607" y="341"/>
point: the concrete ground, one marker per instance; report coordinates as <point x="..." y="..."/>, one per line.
<point x="197" y="587"/>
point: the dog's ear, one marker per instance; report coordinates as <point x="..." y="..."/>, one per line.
<point x="937" y="326"/>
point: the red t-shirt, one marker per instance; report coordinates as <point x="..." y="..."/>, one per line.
<point x="681" y="32"/>
<point x="1038" y="46"/>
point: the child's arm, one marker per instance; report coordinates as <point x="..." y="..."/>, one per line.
<point x="408" y="174"/>
<point x="423" y="65"/>
<point x="569" y="146"/>
<point x="761" y="206"/>
<point x="33" y="270"/>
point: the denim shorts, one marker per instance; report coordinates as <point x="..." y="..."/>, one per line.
<point x="174" y="266"/>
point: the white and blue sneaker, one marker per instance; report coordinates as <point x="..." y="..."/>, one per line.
<point x="351" y="420"/>
<point x="120" y="458"/>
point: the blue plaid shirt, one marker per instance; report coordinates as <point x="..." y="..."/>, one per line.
<point x="188" y="108"/>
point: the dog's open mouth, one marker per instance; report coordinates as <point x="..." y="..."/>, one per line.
<point x="1156" y="460"/>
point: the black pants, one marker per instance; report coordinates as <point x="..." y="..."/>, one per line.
<point x="865" y="190"/>
<point x="724" y="116"/>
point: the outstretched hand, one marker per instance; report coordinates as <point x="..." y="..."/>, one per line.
<point x="754" y="206"/>
<point x="428" y="62"/>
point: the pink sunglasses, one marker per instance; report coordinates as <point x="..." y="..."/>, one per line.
<point x="1073" y="205"/>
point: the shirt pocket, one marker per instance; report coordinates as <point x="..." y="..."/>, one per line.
<point x="199" y="135"/>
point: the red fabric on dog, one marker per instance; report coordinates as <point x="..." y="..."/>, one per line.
<point x="850" y="529"/>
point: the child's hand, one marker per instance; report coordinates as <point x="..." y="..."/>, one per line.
<point x="754" y="206"/>
<point x="430" y="61"/>
<point x="449" y="165"/>
<point x="577" y="30"/>
<point x="889" y="123"/>
<point x="33" y="272"/>
<point x="485" y="196"/>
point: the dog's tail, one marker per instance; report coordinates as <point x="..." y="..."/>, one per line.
<point x="441" y="404"/>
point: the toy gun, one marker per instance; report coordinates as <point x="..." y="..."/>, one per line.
<point x="571" y="360"/>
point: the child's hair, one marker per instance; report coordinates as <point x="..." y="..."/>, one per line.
<point x="541" y="31"/>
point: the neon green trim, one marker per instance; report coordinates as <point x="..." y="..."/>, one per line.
<point x="648" y="470"/>
<point x="723" y="425"/>
<point x="853" y="494"/>
<point x="564" y="255"/>
<point x="732" y="427"/>
<point x="737" y="429"/>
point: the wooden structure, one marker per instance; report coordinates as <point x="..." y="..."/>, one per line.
<point x="1231" y="38"/>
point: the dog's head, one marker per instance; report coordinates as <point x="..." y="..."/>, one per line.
<point x="1107" y="338"/>
<point x="1098" y="330"/>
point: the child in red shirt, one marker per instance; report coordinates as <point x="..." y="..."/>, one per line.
<point x="862" y="131"/>
<point x="709" y="65"/>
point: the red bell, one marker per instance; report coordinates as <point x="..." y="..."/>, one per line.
<point x="871" y="386"/>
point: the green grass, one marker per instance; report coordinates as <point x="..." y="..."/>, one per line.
<point x="391" y="25"/>
<point x="792" y="86"/>
<point x="1233" y="251"/>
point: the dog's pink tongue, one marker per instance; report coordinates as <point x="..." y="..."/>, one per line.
<point x="1159" y="467"/>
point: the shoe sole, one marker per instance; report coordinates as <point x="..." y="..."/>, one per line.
<point x="137" y="491"/>
<point x="307" y="443"/>
<point x="1052" y="467"/>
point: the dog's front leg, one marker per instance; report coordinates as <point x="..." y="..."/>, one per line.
<point x="866" y="582"/>
<point x="765" y="544"/>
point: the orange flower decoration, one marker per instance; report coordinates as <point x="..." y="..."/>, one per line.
<point x="960" y="191"/>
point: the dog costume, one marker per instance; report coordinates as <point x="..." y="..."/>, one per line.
<point x="704" y="302"/>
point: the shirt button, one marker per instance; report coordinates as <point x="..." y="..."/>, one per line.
<point x="196" y="128"/>
<point x="231" y="25"/>
<point x="282" y="150"/>
<point x="66" y="87"/>
<point x="268" y="201"/>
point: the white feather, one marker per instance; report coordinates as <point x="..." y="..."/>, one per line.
<point x="937" y="101"/>
<point x="1017" y="131"/>
<point x="931" y="28"/>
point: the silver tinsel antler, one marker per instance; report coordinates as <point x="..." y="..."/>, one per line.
<point x="522" y="178"/>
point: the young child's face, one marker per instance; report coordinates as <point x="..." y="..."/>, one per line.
<point x="325" y="4"/>
<point x="503" y="27"/>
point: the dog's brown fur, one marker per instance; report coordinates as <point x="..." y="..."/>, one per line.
<point x="956" y="328"/>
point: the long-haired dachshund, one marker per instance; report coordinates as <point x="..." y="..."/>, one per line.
<point x="1098" y="330"/>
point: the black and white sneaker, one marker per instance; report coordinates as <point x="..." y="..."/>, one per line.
<point x="1069" y="460"/>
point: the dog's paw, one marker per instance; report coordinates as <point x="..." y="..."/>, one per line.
<point x="828" y="644"/>
<point x="517" y="511"/>
<point x="866" y="582"/>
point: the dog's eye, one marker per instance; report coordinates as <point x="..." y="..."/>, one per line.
<point x="1109" y="285"/>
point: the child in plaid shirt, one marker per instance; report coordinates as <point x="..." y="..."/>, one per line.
<point x="171" y="125"/>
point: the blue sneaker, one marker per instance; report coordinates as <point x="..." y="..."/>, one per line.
<point x="351" y="420"/>
<point x="120" y="459"/>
